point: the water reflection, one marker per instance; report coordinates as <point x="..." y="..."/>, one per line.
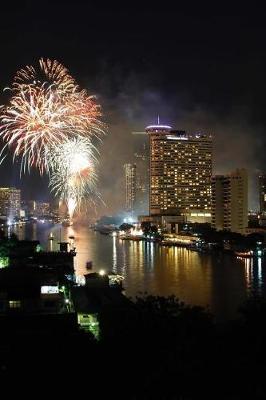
<point x="221" y="282"/>
<point x="254" y="274"/>
<point x="260" y="271"/>
<point x="114" y="255"/>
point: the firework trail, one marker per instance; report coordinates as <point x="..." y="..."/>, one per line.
<point x="72" y="171"/>
<point x="49" y="73"/>
<point x="45" y="108"/>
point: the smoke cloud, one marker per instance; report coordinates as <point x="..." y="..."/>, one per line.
<point x="131" y="102"/>
<point x="238" y="142"/>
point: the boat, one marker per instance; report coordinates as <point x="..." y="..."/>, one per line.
<point x="115" y="280"/>
<point x="167" y="243"/>
<point x="89" y="265"/>
<point x="244" y="254"/>
<point x="104" y="280"/>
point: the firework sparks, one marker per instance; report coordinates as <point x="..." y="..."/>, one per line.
<point x="48" y="73"/>
<point x="33" y="120"/>
<point x="46" y="107"/>
<point x="72" y="171"/>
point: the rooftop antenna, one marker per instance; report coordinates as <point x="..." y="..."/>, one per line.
<point x="145" y="133"/>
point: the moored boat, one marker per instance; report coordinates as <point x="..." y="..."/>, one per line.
<point x="89" y="265"/>
<point x="244" y="254"/>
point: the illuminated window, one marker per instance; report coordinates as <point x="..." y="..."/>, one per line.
<point x="14" y="304"/>
<point x="49" y="289"/>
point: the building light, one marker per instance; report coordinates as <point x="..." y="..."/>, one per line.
<point x="14" y="304"/>
<point x="176" y="137"/>
<point x="4" y="262"/>
<point x="158" y="127"/>
<point x="49" y="289"/>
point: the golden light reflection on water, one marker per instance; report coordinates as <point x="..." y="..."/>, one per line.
<point x="114" y="255"/>
<point x="248" y="270"/>
<point x="165" y="271"/>
<point x="254" y="273"/>
<point x="220" y="281"/>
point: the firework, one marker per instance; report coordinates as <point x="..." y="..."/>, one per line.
<point x="49" y="73"/>
<point x="33" y="120"/>
<point x="45" y="108"/>
<point x="72" y="171"/>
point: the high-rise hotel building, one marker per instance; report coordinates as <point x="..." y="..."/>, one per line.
<point x="130" y="187"/>
<point x="180" y="173"/>
<point x="230" y="201"/>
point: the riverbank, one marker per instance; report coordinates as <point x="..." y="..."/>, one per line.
<point x="218" y="281"/>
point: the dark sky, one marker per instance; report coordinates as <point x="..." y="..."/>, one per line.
<point x="200" y="69"/>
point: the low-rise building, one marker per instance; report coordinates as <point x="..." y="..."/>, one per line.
<point x="30" y="291"/>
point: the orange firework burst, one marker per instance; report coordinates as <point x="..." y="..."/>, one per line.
<point x="48" y="72"/>
<point x="33" y="120"/>
<point x="46" y="107"/>
<point x="84" y="113"/>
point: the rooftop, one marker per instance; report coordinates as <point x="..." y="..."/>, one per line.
<point x="158" y="128"/>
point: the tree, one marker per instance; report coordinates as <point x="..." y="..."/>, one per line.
<point x="149" y="229"/>
<point x="125" y="227"/>
<point x="146" y="226"/>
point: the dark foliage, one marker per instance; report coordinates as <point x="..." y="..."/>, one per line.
<point x="125" y="227"/>
<point x="154" y="348"/>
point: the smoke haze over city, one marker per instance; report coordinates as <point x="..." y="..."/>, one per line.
<point x="198" y="72"/>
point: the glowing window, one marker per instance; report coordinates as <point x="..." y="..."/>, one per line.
<point x="49" y="289"/>
<point x="14" y="303"/>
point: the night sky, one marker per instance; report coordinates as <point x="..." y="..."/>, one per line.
<point x="200" y="70"/>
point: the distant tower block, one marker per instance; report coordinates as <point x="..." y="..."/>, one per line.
<point x="130" y="187"/>
<point x="262" y="193"/>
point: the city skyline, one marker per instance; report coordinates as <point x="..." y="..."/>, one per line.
<point x="133" y="198"/>
<point x="182" y="74"/>
<point x="29" y="192"/>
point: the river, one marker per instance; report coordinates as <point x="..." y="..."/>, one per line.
<point x="220" y="283"/>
